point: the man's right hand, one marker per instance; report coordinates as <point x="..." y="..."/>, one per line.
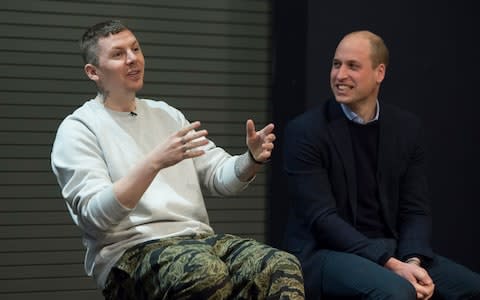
<point x="181" y="145"/>
<point x="415" y="274"/>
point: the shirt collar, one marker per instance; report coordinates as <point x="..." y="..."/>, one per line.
<point x="357" y="119"/>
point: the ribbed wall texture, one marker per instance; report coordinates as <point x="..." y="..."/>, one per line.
<point x="209" y="58"/>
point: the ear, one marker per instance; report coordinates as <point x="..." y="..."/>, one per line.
<point x="91" y="72"/>
<point x="381" y="69"/>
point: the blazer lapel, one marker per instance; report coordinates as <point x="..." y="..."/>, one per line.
<point x="387" y="148"/>
<point x="338" y="128"/>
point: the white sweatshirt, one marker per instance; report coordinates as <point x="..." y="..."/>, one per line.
<point x="95" y="147"/>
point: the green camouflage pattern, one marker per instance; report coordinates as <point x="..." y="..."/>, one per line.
<point x="219" y="266"/>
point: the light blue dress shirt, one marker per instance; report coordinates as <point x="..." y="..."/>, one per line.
<point x="356" y="118"/>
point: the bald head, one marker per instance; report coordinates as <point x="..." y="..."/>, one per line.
<point x="378" y="50"/>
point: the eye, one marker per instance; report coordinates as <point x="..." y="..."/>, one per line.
<point x="117" y="54"/>
<point x="336" y="64"/>
<point x="353" y="66"/>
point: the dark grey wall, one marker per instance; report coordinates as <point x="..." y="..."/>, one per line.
<point x="211" y="59"/>
<point x="432" y="73"/>
<point x="289" y="36"/>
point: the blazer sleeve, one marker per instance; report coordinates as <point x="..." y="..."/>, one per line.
<point x="309" y="186"/>
<point x="414" y="219"/>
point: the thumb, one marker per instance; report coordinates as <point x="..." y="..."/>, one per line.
<point x="250" y="128"/>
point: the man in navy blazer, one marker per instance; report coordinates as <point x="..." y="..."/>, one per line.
<point x="360" y="222"/>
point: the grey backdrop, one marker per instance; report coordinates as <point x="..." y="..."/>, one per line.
<point x="210" y="59"/>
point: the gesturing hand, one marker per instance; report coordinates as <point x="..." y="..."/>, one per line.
<point x="260" y="143"/>
<point x="181" y="145"/>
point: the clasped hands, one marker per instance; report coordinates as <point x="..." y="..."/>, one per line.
<point x="415" y="274"/>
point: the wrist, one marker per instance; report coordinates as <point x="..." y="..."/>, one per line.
<point x="154" y="164"/>
<point x="414" y="260"/>
<point x="392" y="263"/>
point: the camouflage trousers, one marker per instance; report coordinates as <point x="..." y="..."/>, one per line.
<point x="219" y="266"/>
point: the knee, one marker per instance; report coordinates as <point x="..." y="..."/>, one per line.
<point x="285" y="263"/>
<point x="406" y="291"/>
<point x="200" y="281"/>
<point x="211" y="275"/>
<point x="400" y="290"/>
<point x="285" y="259"/>
<point x="286" y="277"/>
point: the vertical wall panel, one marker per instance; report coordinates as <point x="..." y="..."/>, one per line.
<point x="209" y="58"/>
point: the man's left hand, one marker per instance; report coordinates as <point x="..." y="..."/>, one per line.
<point x="260" y="143"/>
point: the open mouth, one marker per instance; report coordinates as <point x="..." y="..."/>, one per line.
<point x="343" y="87"/>
<point x="135" y="74"/>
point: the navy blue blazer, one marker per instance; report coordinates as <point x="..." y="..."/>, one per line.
<point x="319" y="163"/>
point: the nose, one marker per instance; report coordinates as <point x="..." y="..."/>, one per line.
<point x="131" y="57"/>
<point x="342" y="72"/>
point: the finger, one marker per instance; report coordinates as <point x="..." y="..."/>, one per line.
<point x="425" y="281"/>
<point x="250" y="128"/>
<point x="422" y="276"/>
<point x="193" y="153"/>
<point x="195" y="144"/>
<point x="266" y="153"/>
<point x="423" y="291"/>
<point x="195" y="135"/>
<point x="182" y="132"/>
<point x="271" y="137"/>
<point x="267" y="129"/>
<point x="268" y="146"/>
<point x="192" y="145"/>
<point x="265" y="156"/>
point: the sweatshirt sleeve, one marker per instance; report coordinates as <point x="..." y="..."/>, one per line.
<point x="79" y="166"/>
<point x="216" y="168"/>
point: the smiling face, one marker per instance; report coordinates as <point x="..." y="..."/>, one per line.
<point x="120" y="70"/>
<point x="354" y="80"/>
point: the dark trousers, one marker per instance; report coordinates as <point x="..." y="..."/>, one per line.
<point x="337" y="275"/>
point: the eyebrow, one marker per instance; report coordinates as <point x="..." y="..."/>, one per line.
<point x="348" y="61"/>
<point x="135" y="42"/>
